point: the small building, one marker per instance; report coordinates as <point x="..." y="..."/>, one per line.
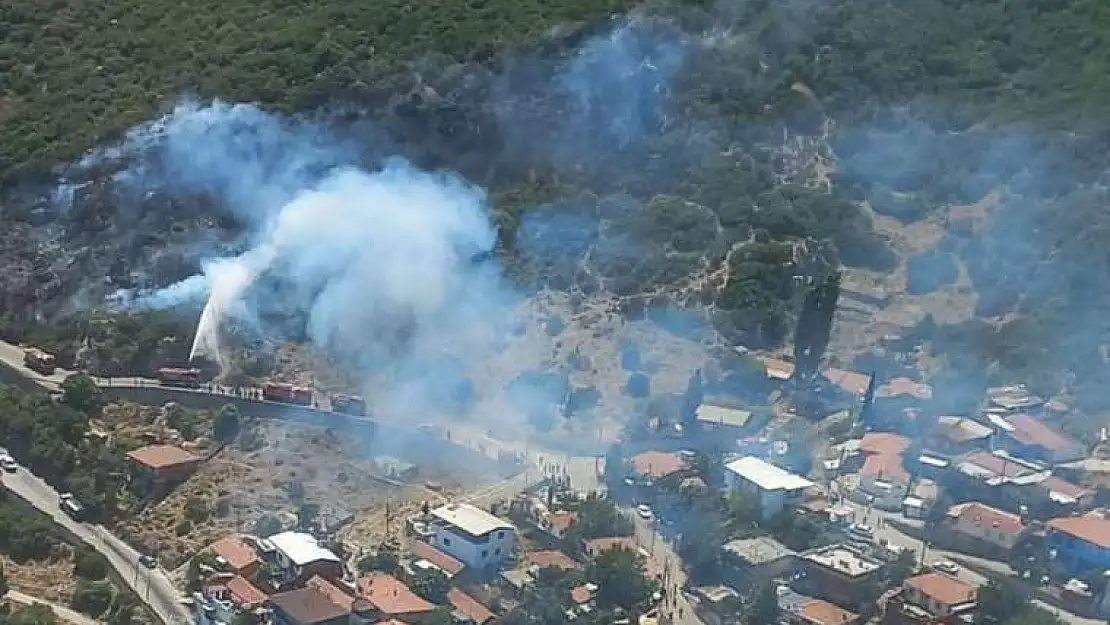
<point x="716" y="604"/>
<point x="904" y="388"/>
<point x="224" y="597"/>
<point x="751" y="563"/>
<point x="479" y="539"/>
<point x="841" y="573"/>
<point x="777" y="369"/>
<point x="884" y="481"/>
<point x="424" y="556"/>
<point x="471" y="608"/>
<point x="1081" y="542"/>
<point x="300" y="557"/>
<point x="310" y="605"/>
<point x="1028" y="437"/>
<point x="391" y="598"/>
<point x="597" y="546"/>
<point x="156" y="467"/>
<point x="775" y="487"/>
<point x="957" y="435"/>
<point x="980" y="522"/>
<point x="550" y="558"/>
<point x="556" y="524"/>
<point x="849" y="382"/>
<point x="801" y="610"/>
<point x="884" y="444"/>
<point x="940" y="595"/>
<point x="236" y="555"/>
<point x="654" y="465"/>
<point x="728" y="421"/>
<point x="1014" y="398"/>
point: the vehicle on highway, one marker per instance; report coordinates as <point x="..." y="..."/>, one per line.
<point x="348" y="404"/>
<point x="39" y="361"/>
<point x="71" y="506"/>
<point x="947" y="566"/>
<point x="644" y="511"/>
<point x="187" y="378"/>
<point x="8" y="464"/>
<point x="287" y="393"/>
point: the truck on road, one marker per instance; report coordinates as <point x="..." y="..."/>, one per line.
<point x="170" y="376"/>
<point x="39" y="361"/>
<point x="287" y="393"/>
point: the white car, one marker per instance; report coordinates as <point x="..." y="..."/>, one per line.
<point x="861" y="530"/>
<point x="8" y="464"/>
<point x="947" y="566"/>
<point x="644" y="511"/>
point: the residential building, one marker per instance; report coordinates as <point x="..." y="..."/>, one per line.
<point x="479" y="539"/>
<point x="958" y="435"/>
<point x="849" y="382"/>
<point x="940" y="595"/>
<point x="236" y="555"/>
<point x="312" y="605"/>
<point x="799" y="609"/>
<point x="597" y="546"/>
<point x="1028" y="437"/>
<point x="223" y="597"/>
<point x="549" y="558"/>
<point x="389" y="597"/>
<point x="424" y="556"/>
<point x="1081" y="542"/>
<point x="300" y="556"/>
<point x="721" y="419"/>
<point x="884" y="481"/>
<point x="777" y="369"/>
<point x="904" y="388"/>
<point x="653" y="465"/>
<point x="157" y="467"/>
<point x="775" y="487"/>
<point x="1009" y="399"/>
<point x="884" y="443"/>
<point x="839" y="573"/>
<point x="473" y="610"/>
<point x="716" y="605"/>
<point x="557" y="523"/>
<point x="980" y="522"/>
<point x="750" y="564"/>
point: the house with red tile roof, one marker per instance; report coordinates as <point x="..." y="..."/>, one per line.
<point x="1032" y="438"/>
<point x="469" y="606"/>
<point x="550" y="558"/>
<point x="597" y="546"/>
<point x="558" y="523"/>
<point x="391" y="597"/>
<point x="940" y="595"/>
<point x="887" y="443"/>
<point x="653" y="465"/>
<point x="883" y="478"/>
<point x="225" y="595"/>
<point x="157" y="467"/>
<point x="236" y="554"/>
<point x="978" y="521"/>
<point x="423" y="555"/>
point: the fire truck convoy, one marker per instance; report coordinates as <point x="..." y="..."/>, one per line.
<point x="287" y="393"/>
<point x="39" y="361"/>
<point x="169" y="376"/>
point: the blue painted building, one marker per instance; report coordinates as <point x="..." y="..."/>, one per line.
<point x="1081" y="542"/>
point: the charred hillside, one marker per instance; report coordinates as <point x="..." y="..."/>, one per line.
<point x="697" y="157"/>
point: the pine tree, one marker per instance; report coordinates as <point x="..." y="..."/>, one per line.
<point x="811" y="336"/>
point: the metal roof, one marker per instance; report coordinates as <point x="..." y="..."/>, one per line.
<point x="301" y="548"/>
<point x="470" y="519"/>
<point x="766" y="475"/>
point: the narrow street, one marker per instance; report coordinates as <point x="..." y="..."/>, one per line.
<point x="676" y="607"/>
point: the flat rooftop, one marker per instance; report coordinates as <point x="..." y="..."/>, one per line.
<point x="766" y="475"/>
<point x="470" y="519"/>
<point x="844" y="560"/>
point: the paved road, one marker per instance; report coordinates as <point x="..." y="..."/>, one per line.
<point x="153" y="587"/>
<point x="62" y="612"/>
<point x="676" y="606"/>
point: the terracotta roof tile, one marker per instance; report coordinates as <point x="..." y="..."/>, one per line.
<point x="561" y="520"/>
<point x="551" y="558"/>
<point x="1065" y="487"/>
<point x="391" y="596"/>
<point x="235" y="551"/>
<point x="905" y="387"/>
<point x="983" y="515"/>
<point x="849" y="381"/>
<point x="446" y="562"/>
<point x="885" y="467"/>
<point x="942" y="588"/>
<point x="777" y="369"/>
<point x="1029" y="431"/>
<point x="884" y="443"/>
<point x="469" y="606"/>
<point x="244" y="592"/>
<point x="1092" y="528"/>
<point x="996" y="464"/>
<point x="308" y="605"/>
<point x="821" y="612"/>
<point x="162" y="456"/>
<point x="581" y="594"/>
<point x="657" y="463"/>
<point x="331" y="591"/>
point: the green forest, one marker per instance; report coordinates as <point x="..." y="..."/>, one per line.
<point x="923" y="104"/>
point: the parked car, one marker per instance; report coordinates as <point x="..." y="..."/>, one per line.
<point x="8" y="464"/>
<point x="148" y="561"/>
<point x="860" y="531"/>
<point x="644" y="511"/>
<point x="71" y="506"/>
<point x="947" y="566"/>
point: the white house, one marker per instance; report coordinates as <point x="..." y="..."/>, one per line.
<point x="300" y="556"/>
<point x="224" y="597"/>
<point x="479" y="539"/>
<point x="774" y="486"/>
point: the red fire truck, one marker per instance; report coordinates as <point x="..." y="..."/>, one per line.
<point x="287" y="393"/>
<point x="348" y="404"/>
<point x="37" y="360"/>
<point x="170" y="376"/>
